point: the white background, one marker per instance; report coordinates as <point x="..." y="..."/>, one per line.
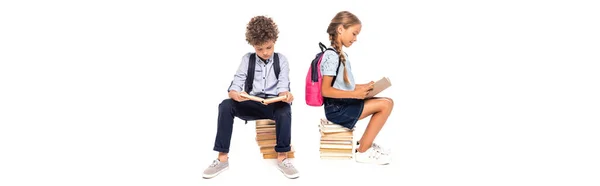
<point x="119" y="92"/>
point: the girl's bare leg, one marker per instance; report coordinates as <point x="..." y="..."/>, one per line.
<point x="380" y="108"/>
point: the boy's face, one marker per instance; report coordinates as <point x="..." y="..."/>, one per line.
<point x="265" y="50"/>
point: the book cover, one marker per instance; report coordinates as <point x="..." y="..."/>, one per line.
<point x="380" y="86"/>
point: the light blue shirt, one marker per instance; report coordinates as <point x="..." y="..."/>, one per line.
<point x="329" y="65"/>
<point x="265" y="83"/>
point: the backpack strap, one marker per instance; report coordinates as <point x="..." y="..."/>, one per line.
<point x="250" y="74"/>
<point x="336" y="72"/>
<point x="277" y="68"/>
<point x="323" y="49"/>
<point x="251" y="67"/>
<point x="322" y="46"/>
<point x="276" y="65"/>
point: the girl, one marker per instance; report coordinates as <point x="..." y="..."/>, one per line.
<point x="345" y="101"/>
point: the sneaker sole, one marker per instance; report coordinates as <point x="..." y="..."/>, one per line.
<point x="371" y="162"/>
<point x="208" y="176"/>
<point x="293" y="176"/>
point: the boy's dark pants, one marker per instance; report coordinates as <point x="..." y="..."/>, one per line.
<point x="252" y="110"/>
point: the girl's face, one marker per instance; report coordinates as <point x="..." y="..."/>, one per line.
<point x="348" y="36"/>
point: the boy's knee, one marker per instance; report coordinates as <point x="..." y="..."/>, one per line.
<point x="284" y="111"/>
<point x="226" y="105"/>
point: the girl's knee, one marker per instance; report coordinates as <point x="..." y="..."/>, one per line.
<point x="391" y="101"/>
<point x="387" y="104"/>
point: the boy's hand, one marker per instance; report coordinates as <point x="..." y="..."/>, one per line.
<point x="289" y="98"/>
<point x="235" y="95"/>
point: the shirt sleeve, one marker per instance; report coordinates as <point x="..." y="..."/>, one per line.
<point x="283" y="84"/>
<point x="329" y="63"/>
<point x="240" y="75"/>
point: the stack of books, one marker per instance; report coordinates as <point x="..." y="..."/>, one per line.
<point x="266" y="139"/>
<point x="336" y="141"/>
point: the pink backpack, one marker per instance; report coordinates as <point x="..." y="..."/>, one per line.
<point x="313" y="95"/>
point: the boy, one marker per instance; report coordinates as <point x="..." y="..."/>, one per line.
<point x="261" y="33"/>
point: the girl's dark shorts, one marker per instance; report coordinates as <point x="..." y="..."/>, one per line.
<point x="345" y="112"/>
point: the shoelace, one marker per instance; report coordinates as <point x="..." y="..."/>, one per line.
<point x="376" y="147"/>
<point x="375" y="154"/>
<point x="379" y="148"/>
<point x="214" y="163"/>
<point x="287" y="163"/>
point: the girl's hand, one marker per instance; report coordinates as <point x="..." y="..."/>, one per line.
<point x="371" y="85"/>
<point x="367" y="84"/>
<point x="361" y="92"/>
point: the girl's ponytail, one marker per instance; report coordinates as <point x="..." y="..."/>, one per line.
<point x="338" y="48"/>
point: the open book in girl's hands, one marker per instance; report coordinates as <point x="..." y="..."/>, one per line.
<point x="379" y="86"/>
<point x="263" y="101"/>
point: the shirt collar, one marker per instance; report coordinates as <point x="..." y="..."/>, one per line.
<point x="267" y="61"/>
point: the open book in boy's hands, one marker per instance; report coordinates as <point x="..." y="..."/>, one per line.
<point x="261" y="100"/>
<point x="379" y="86"/>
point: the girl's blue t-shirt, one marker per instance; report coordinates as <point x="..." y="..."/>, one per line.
<point x="329" y="65"/>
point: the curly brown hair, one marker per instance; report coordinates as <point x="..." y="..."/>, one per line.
<point x="261" y="29"/>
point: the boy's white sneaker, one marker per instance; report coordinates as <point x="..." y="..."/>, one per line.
<point x="373" y="156"/>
